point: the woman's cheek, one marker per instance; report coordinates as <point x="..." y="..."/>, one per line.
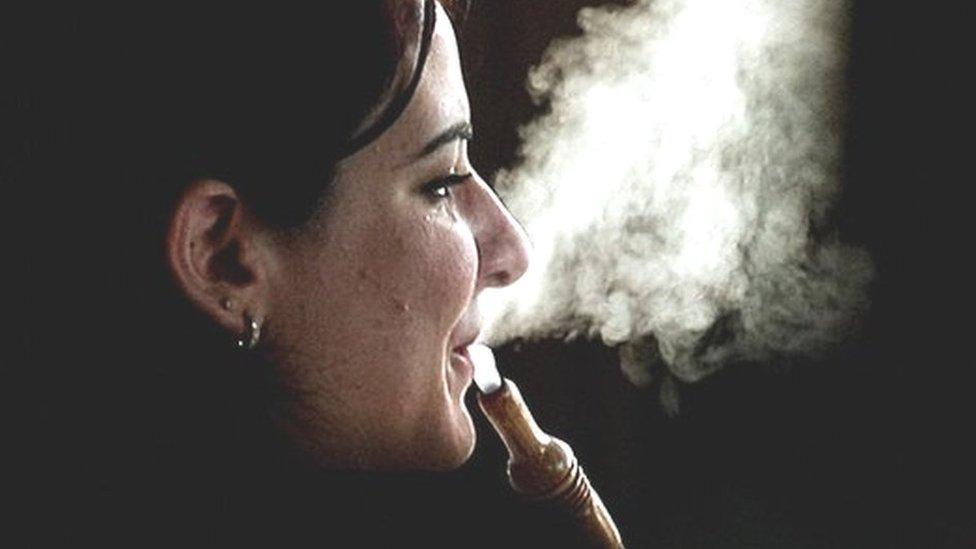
<point x="459" y="261"/>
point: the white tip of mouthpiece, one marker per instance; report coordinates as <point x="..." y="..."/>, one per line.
<point x="486" y="375"/>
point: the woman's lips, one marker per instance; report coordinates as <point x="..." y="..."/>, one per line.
<point x="461" y="363"/>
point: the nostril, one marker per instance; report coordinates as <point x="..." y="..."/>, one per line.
<point x="503" y="278"/>
<point x="511" y="257"/>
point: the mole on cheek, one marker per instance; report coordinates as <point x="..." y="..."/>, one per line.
<point x="366" y="281"/>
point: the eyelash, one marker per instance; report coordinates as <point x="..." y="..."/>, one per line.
<point x="439" y="189"/>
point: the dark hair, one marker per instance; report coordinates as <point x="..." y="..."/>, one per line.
<point x="128" y="109"/>
<point x="266" y="105"/>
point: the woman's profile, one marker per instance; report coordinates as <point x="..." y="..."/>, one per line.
<point x="298" y="246"/>
<point x="364" y="304"/>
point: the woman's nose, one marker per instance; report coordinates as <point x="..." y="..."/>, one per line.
<point x="503" y="247"/>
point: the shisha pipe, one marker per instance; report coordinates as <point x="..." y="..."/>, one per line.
<point x="540" y="467"/>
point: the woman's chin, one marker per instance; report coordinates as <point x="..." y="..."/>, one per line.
<point x="456" y="445"/>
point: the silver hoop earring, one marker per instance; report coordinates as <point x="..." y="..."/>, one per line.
<point x="252" y="334"/>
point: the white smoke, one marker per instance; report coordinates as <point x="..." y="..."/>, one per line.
<point x="677" y="190"/>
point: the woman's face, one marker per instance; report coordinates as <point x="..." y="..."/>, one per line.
<point x="371" y="305"/>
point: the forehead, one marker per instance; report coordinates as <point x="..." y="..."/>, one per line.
<point x="439" y="101"/>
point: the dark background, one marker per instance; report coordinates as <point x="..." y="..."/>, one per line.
<point x="868" y="447"/>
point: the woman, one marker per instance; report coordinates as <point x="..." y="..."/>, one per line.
<point x="364" y="310"/>
<point x="309" y="244"/>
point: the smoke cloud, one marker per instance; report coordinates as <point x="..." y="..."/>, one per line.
<point x="678" y="189"/>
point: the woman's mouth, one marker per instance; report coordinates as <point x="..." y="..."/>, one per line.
<point x="461" y="364"/>
<point x="464" y="334"/>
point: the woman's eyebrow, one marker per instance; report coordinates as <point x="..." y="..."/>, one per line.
<point x="460" y="130"/>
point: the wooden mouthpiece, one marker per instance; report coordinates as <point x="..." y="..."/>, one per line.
<point x="543" y="468"/>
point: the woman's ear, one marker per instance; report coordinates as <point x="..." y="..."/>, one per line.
<point x="215" y="252"/>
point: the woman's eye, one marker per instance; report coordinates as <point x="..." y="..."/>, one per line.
<point x="441" y="188"/>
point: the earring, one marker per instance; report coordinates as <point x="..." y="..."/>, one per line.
<point x="252" y="333"/>
<point x="226" y="303"/>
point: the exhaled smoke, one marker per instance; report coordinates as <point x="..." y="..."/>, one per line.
<point x="677" y="191"/>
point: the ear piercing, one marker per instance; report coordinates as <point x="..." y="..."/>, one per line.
<point x="252" y="327"/>
<point x="252" y="333"/>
